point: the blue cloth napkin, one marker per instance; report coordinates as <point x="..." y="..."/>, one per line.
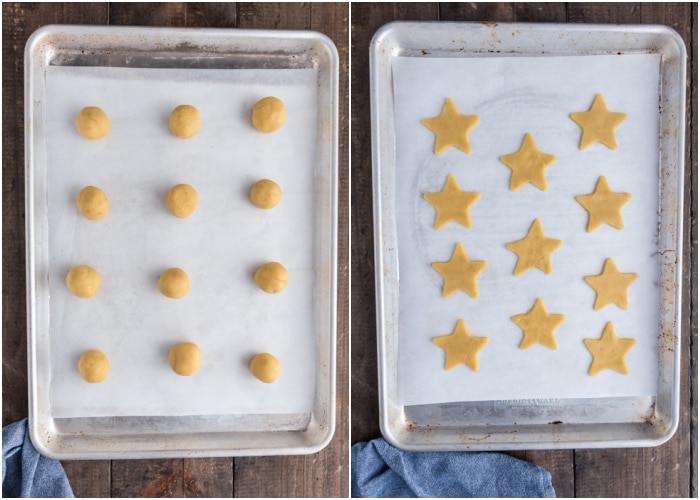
<point x="381" y="471"/>
<point x="25" y="472"/>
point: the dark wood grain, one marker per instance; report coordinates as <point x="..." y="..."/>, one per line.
<point x="148" y="478"/>
<point x="208" y="478"/>
<point x="668" y="470"/>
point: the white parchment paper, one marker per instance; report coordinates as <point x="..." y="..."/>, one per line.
<point x="513" y="96"/>
<point x="220" y="245"/>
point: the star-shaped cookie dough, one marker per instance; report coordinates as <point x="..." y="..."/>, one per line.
<point x="451" y="128"/>
<point x="603" y="206"/>
<point x="452" y="204"/>
<point x="608" y="351"/>
<point x="610" y="285"/>
<point x="528" y="164"/>
<point x="460" y="273"/>
<point x="598" y="124"/>
<point x="460" y="346"/>
<point x="538" y="326"/>
<point x="535" y="250"/>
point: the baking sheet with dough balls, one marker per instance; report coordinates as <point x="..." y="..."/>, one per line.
<point x="268" y="114"/>
<point x="181" y="200"/>
<point x="271" y="277"/>
<point x="83" y="281"/>
<point x="92" y="123"/>
<point x="93" y="366"/>
<point x="185" y="121"/>
<point x="265" y="367"/>
<point x="174" y="283"/>
<point x="185" y="358"/>
<point x="265" y="194"/>
<point x="92" y="203"/>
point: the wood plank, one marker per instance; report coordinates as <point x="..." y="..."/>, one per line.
<point x="691" y="242"/>
<point x="211" y="15"/>
<point x="147" y="14"/>
<point x="324" y="473"/>
<point x="367" y="18"/>
<point x="664" y="470"/>
<point x="477" y="11"/>
<point x="147" y="478"/>
<point x="208" y="477"/>
<point x="540" y="12"/>
<point x="88" y="478"/>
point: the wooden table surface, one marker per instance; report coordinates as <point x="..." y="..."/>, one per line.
<point x="669" y="470"/>
<point x="323" y="474"/>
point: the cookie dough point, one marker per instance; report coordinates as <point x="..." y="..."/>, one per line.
<point x="185" y="121"/>
<point x="83" y="281"/>
<point x="271" y="277"/>
<point x="185" y="358"/>
<point x="92" y="123"/>
<point x="93" y="366"/>
<point x="265" y="367"/>
<point x="174" y="283"/>
<point x="92" y="203"/>
<point x="181" y="200"/>
<point x="268" y="114"/>
<point x="265" y="194"/>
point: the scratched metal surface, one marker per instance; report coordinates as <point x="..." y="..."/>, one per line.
<point x="529" y="423"/>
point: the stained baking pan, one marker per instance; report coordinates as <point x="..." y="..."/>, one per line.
<point x="137" y="76"/>
<point x="527" y="78"/>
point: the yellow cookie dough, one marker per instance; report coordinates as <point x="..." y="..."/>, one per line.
<point x="265" y="194"/>
<point x="185" y="358"/>
<point x="83" y="281"/>
<point x="174" y="283"/>
<point x="452" y="204"/>
<point x="610" y="285"/>
<point x="185" y="121"/>
<point x="92" y="203"/>
<point x="268" y="114"/>
<point x="265" y="367"/>
<point x="538" y="326"/>
<point x="461" y="346"/>
<point x="598" y="124"/>
<point x="460" y="273"/>
<point x="93" y="366"/>
<point x="534" y="251"/>
<point x="451" y="129"/>
<point x="181" y="200"/>
<point x="608" y="351"/>
<point x="271" y="277"/>
<point x="92" y="123"/>
<point x="528" y="164"/>
<point x="603" y="206"/>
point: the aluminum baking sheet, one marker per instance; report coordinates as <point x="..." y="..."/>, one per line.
<point x="137" y="76"/>
<point x="526" y="78"/>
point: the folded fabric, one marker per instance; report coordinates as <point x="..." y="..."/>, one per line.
<point x="25" y="472"/>
<point x="380" y="470"/>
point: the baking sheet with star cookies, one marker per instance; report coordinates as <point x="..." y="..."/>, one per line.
<point x="138" y="76"/>
<point x="520" y="98"/>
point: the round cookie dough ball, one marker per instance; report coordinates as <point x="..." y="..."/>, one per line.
<point x="181" y="200"/>
<point x="92" y="203"/>
<point x="93" y="366"/>
<point x="174" y="283"/>
<point x="185" y="121"/>
<point x="92" y="123"/>
<point x="265" y="367"/>
<point x="185" y="358"/>
<point x="271" y="277"/>
<point x="265" y="194"/>
<point x="268" y="114"/>
<point x="83" y="281"/>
